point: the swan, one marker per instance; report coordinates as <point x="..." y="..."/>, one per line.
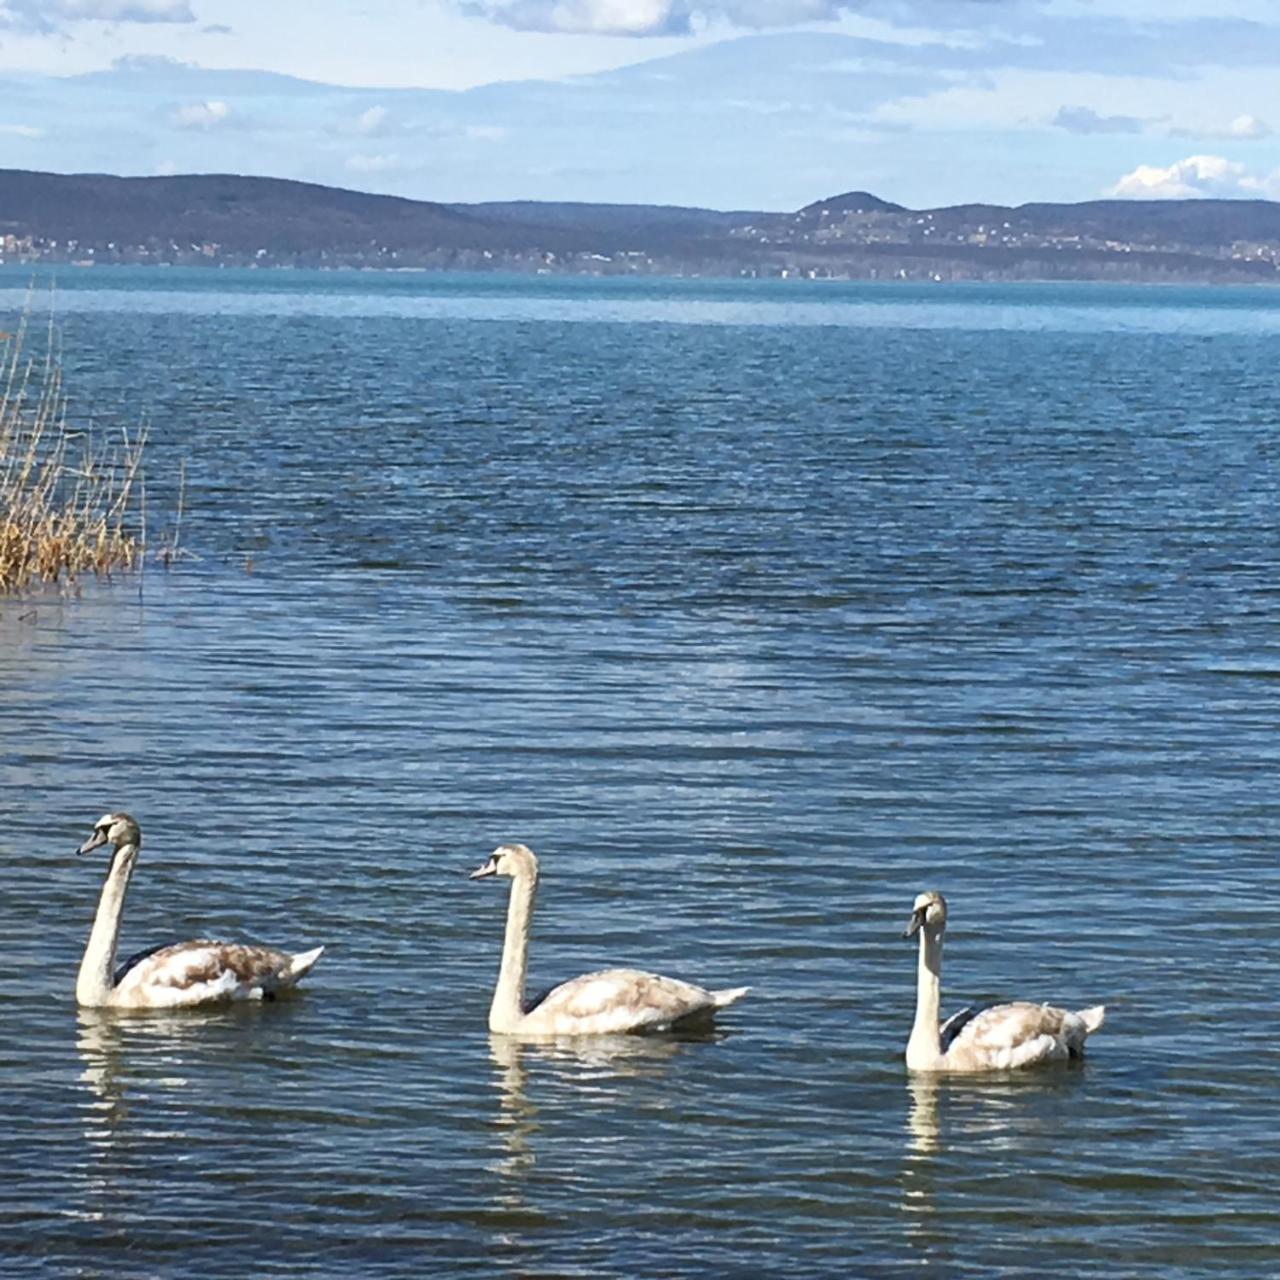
<point x="999" y="1038"/>
<point x="168" y="977"/>
<point x="609" y="1002"/>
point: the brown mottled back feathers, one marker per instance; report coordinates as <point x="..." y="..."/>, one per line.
<point x="205" y="961"/>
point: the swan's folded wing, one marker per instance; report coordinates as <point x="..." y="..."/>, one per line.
<point x="1013" y="1035"/>
<point x="198" y="972"/>
<point x="137" y="958"/>
<point x="618" y="1000"/>
<point x="956" y="1024"/>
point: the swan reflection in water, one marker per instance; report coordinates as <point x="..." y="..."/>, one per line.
<point x="984" y="1108"/>
<point x="595" y="1067"/>
<point x="924" y="1142"/>
<point x="999" y="1111"/>
<point x="923" y="1130"/>
<point x="98" y="1042"/>
<point x="971" y="1117"/>
<point x="120" y="1054"/>
<point x="132" y="1060"/>
<point x="127" y="1063"/>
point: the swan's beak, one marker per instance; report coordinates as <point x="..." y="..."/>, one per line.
<point x="916" y="922"/>
<point x="490" y="868"/>
<point x="99" y="837"/>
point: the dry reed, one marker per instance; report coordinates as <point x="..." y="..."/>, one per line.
<point x="67" y="501"/>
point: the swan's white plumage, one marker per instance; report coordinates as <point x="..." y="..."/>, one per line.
<point x="622" y="1000"/>
<point x="1008" y="1036"/>
<point x="191" y="973"/>
<point x="1003" y="1037"/>
<point x="175" y="976"/>
<point x="606" y="1002"/>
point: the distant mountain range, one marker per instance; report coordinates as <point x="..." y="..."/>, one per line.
<point x="231" y="220"/>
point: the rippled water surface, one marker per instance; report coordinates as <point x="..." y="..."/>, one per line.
<point x="755" y="609"/>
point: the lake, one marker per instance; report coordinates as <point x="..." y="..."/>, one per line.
<point x="755" y="609"/>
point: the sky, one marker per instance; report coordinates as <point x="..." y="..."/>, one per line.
<point x="730" y="104"/>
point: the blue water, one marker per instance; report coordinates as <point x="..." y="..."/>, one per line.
<point x="755" y="609"/>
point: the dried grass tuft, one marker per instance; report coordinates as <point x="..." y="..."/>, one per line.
<point x="66" y="499"/>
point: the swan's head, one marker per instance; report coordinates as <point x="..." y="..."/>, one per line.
<point x="116" y="829"/>
<point x="929" y="912"/>
<point x="508" y="860"/>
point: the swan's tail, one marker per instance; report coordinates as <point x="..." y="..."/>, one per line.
<point x="729" y="996"/>
<point x="302" y="964"/>
<point x="1092" y="1018"/>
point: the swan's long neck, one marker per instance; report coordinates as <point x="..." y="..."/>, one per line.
<point x="507" y="1008"/>
<point x="97" y="969"/>
<point x="924" y="1049"/>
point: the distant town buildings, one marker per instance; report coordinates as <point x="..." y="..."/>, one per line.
<point x="854" y="236"/>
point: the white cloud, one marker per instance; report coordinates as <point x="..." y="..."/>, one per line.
<point x="52" y="15"/>
<point x="371" y="121"/>
<point x="1243" y="128"/>
<point x="1082" y="32"/>
<point x="1248" y="128"/>
<point x="599" y="17"/>
<point x="21" y="130"/>
<point x="1196" y="176"/>
<point x="484" y="132"/>
<point x="201" y="115"/>
<point x="142" y="64"/>
<point x="651" y="17"/>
